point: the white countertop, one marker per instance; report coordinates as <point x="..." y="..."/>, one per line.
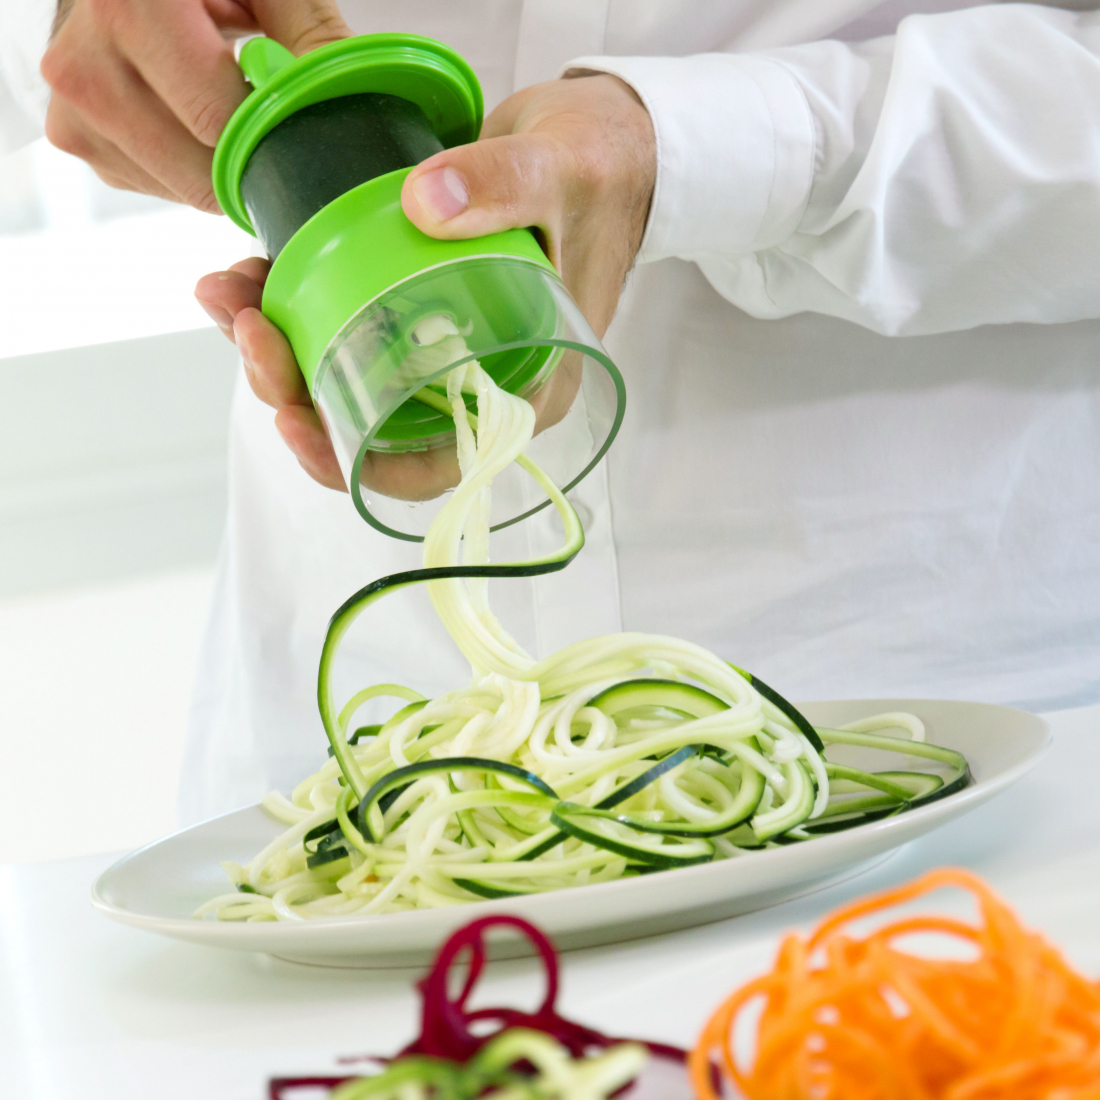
<point x="94" y="1010"/>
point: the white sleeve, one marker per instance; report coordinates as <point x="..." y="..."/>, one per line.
<point x="941" y="179"/>
<point x="24" y="95"/>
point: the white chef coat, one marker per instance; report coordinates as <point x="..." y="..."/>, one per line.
<point x="861" y="454"/>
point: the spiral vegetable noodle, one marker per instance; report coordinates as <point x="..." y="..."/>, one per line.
<point x="861" y="1018"/>
<point x="508" y="1053"/>
<point x="615" y="756"/>
<point x="557" y="1075"/>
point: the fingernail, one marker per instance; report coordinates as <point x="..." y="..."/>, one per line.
<point x="441" y="193"/>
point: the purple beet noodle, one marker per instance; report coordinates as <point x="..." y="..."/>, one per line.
<point x="445" y="1024"/>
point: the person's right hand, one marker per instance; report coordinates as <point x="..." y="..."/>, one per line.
<point x="576" y="159"/>
<point x="142" y="89"/>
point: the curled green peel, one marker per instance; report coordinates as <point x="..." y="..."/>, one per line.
<point x="351" y="609"/>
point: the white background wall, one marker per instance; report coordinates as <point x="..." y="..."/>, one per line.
<point x="114" y="397"/>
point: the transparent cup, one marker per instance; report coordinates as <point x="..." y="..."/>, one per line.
<point x="380" y="388"/>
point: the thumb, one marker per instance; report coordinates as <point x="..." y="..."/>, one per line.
<point x="502" y="183"/>
<point x="301" y="26"/>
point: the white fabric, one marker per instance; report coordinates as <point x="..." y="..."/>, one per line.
<point x="747" y="160"/>
<point x="917" y="142"/>
<point x="843" y="511"/>
<point x="939" y="201"/>
<point x="24" y="32"/>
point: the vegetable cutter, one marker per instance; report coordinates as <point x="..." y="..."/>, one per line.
<point x="312" y="163"/>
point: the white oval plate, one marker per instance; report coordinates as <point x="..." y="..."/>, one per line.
<point x="158" y="887"/>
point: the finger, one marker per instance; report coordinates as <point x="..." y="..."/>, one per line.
<point x="414" y="475"/>
<point x="223" y="294"/>
<point x="255" y="268"/>
<point x="556" y="397"/>
<point x="241" y="287"/>
<point x="138" y="182"/>
<point x="269" y="362"/>
<point x="68" y="131"/>
<point x="114" y="102"/>
<point x="304" y="434"/>
<point x="181" y="54"/>
<point x="232" y="18"/>
<point x="301" y="26"/>
<point x="502" y="183"/>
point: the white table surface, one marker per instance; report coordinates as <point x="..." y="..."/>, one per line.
<point x="98" y="1011"/>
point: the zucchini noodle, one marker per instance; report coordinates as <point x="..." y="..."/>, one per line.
<point x="618" y="755"/>
<point x="557" y="1075"/>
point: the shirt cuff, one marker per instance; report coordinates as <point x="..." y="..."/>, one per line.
<point x="736" y="149"/>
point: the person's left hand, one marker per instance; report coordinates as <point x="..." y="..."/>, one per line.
<point x="574" y="159"/>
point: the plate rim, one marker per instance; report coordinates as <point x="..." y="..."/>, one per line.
<point x="213" y="931"/>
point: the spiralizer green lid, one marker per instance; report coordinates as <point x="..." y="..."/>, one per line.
<point x="417" y="70"/>
<point x="313" y="163"/>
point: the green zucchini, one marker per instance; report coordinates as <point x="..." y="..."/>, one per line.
<point x="958" y="779"/>
<point x="789" y="709"/>
<point x="582" y="823"/>
<point x="684" y="699"/>
<point x="401" y="777"/>
<point x="796" y="809"/>
<point x="879" y="781"/>
<point x="745" y="803"/>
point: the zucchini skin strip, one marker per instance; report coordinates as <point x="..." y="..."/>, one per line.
<point x="683" y="854"/>
<point x="401" y="777"/>
<point x="958" y="781"/>
<point x="869" y="779"/>
<point x="635" y="786"/>
<point x="745" y="803"/>
<point x="789" y="709"/>
<point x="670" y="694"/>
<point x="849" y="813"/>
<point x="351" y="609"/>
<point x="354" y="606"/>
<point x="483" y="890"/>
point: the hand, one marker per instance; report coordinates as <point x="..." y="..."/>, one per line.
<point x="142" y="89"/>
<point x="233" y="299"/>
<point x="575" y="159"/>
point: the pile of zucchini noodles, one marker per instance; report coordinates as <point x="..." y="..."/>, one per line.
<point x="619" y="755"/>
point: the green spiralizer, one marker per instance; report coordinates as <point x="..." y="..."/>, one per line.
<point x="312" y="163"/>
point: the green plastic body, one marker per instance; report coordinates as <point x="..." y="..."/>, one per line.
<point x="378" y="313"/>
<point x="421" y="70"/>
<point x="356" y="248"/>
<point x="323" y="152"/>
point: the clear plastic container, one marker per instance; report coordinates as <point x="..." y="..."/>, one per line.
<point x="381" y="382"/>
